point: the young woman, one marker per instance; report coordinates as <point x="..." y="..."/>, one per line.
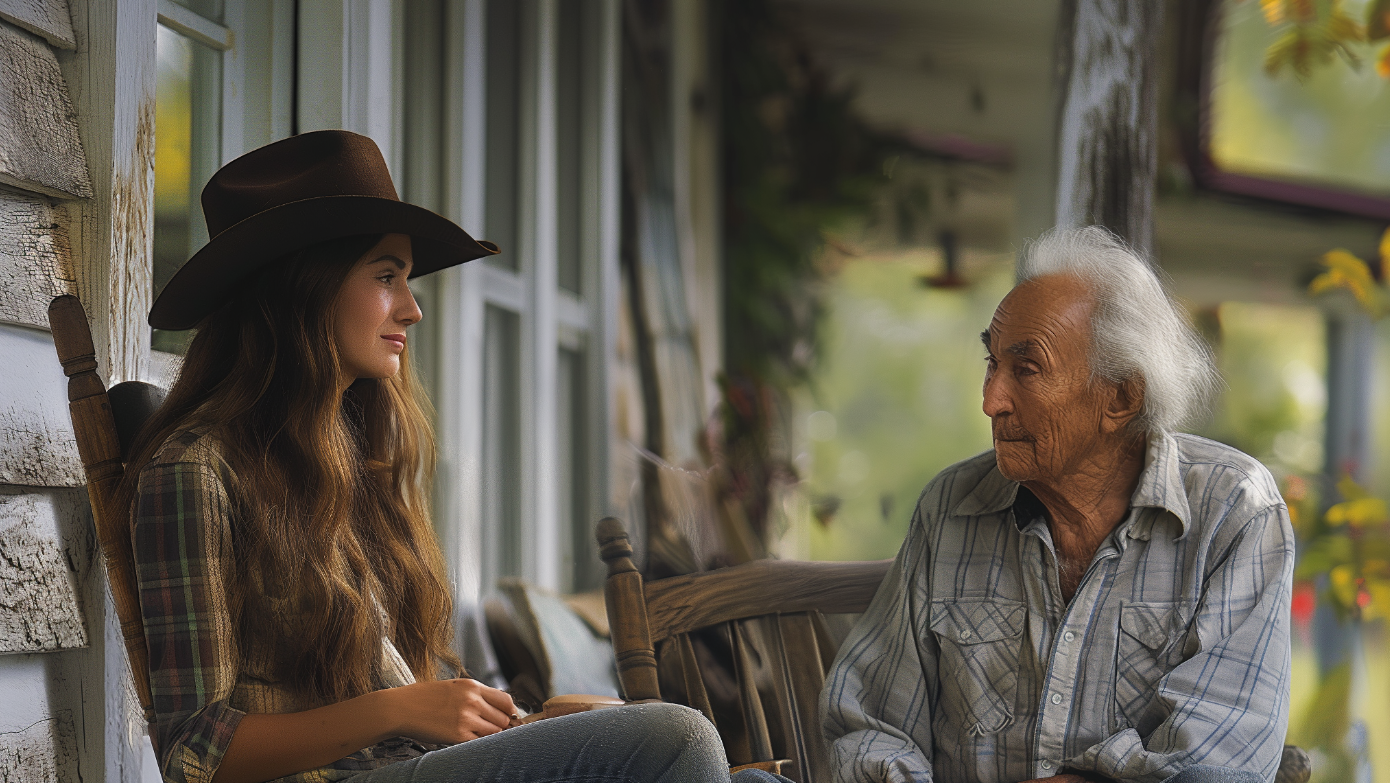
<point x="294" y="598"/>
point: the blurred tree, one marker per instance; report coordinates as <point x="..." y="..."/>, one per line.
<point x="798" y="161"/>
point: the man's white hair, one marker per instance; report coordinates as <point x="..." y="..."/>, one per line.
<point x="1138" y="331"/>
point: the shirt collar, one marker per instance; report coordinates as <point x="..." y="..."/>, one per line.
<point x="1160" y="486"/>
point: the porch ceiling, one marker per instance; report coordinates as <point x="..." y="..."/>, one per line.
<point x="984" y="71"/>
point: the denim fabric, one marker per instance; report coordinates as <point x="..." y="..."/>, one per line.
<point x="646" y="743"/>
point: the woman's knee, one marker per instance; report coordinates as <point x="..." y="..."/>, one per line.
<point x="681" y="730"/>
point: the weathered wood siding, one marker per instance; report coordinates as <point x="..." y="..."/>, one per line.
<point x="35" y="257"/>
<point x="48" y="18"/>
<point x="43" y="751"/>
<point x="40" y="149"/>
<point x="37" y="446"/>
<point x="76" y="166"/>
<point x="40" y="559"/>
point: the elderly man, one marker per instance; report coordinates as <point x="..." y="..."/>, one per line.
<point x="1098" y="597"/>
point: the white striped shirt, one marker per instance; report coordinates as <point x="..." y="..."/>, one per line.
<point x="970" y="666"/>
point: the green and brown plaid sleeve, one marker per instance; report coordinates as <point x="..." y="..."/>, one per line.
<point x="183" y="556"/>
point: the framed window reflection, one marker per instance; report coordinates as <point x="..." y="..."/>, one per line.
<point x="1320" y="140"/>
<point x="188" y="139"/>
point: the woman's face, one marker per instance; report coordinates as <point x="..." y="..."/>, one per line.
<point x="374" y="308"/>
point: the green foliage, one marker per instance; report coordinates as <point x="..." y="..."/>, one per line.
<point x="1313" y="33"/>
<point x="1325" y="722"/>
<point x="798" y="161"/>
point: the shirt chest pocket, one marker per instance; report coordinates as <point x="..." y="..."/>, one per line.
<point x="1147" y="649"/>
<point x="978" y="663"/>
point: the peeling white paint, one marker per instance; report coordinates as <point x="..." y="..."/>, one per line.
<point x="43" y="752"/>
<point x="39" y="605"/>
<point x="35" y="258"/>
<point x="37" y="445"/>
<point x="40" y="150"/>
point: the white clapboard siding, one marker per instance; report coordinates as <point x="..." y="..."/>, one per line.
<point x="35" y="258"/>
<point x="48" y="18"/>
<point x="37" y="446"/>
<point x="40" y="752"/>
<point x="40" y="557"/>
<point x="40" y="150"/>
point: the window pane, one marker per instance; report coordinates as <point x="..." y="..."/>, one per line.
<point x="188" y="140"/>
<point x="1302" y="129"/>
<point x="501" y="445"/>
<point x="569" y="80"/>
<point x="503" y="125"/>
<point x="582" y="565"/>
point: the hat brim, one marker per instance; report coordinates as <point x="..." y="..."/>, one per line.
<point x="204" y="282"/>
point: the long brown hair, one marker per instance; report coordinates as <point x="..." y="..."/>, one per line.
<point x="333" y="543"/>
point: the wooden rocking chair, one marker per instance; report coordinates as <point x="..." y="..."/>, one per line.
<point x="788" y="597"/>
<point x="775" y="602"/>
<point x="104" y="431"/>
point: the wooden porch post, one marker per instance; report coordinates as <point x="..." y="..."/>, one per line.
<point x="1108" y="123"/>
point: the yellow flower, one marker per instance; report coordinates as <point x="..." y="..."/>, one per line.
<point x="1345" y="270"/>
<point x="1342" y="579"/>
<point x="1358" y="513"/>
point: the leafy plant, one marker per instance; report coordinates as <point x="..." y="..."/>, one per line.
<point x="1316" y="32"/>
<point x="1350" y="273"/>
<point x="1352" y="546"/>
<point x="798" y="163"/>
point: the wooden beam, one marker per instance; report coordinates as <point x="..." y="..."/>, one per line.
<point x="748" y="590"/>
<point x="1108" y="129"/>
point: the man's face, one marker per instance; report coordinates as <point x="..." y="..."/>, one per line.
<point x="1046" y="413"/>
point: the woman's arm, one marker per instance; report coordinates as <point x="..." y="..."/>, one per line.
<point x="266" y="747"/>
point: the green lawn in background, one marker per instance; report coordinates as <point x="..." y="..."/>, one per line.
<point x="895" y="399"/>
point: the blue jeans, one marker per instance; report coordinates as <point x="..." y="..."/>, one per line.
<point x="643" y="743"/>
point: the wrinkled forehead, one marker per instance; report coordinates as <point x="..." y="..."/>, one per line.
<point x="1053" y="309"/>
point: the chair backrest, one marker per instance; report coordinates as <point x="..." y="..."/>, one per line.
<point x="99" y="446"/>
<point x="770" y="614"/>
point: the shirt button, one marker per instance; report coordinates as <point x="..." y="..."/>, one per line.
<point x="1046" y="764"/>
<point x="1056" y="698"/>
<point x="965" y="633"/>
<point x="1068" y="636"/>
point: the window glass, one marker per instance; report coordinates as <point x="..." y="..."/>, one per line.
<point x="1314" y="129"/>
<point x="503" y="126"/>
<point x="582" y="561"/>
<point x="501" y="466"/>
<point x="569" y="80"/>
<point x="188" y="118"/>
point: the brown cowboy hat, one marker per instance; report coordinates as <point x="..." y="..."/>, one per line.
<point x="292" y="194"/>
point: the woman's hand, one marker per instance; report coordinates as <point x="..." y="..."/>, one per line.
<point x="449" y="711"/>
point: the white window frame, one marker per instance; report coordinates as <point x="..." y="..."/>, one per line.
<point x="256" y="39"/>
<point x="550" y="318"/>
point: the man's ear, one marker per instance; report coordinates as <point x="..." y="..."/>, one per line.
<point x="1125" y="405"/>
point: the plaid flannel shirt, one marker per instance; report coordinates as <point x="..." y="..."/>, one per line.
<point x="970" y="666"/>
<point x="202" y="686"/>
